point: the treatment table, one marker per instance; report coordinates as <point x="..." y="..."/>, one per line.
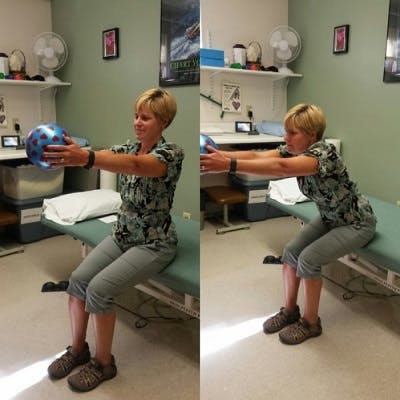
<point x="178" y="284"/>
<point x="380" y="258"/>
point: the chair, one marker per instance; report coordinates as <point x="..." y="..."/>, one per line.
<point x="7" y="247"/>
<point x="225" y="196"/>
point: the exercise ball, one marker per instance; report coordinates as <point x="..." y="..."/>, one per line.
<point x="205" y="139"/>
<point x="40" y="137"/>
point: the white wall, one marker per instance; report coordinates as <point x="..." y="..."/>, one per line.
<point x="20" y="22"/>
<point x="225" y="23"/>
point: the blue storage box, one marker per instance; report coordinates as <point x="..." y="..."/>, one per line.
<point x="256" y="207"/>
<point x="212" y="57"/>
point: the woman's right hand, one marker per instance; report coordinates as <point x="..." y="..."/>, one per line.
<point x="214" y="161"/>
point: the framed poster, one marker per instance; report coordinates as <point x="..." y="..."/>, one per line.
<point x="341" y="39"/>
<point x="391" y="71"/>
<point x="110" y="43"/>
<point x="3" y="110"/>
<point x="180" y="43"/>
<point x="231" y="97"/>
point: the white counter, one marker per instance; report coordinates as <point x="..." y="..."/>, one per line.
<point x="238" y="138"/>
<point x="12" y="154"/>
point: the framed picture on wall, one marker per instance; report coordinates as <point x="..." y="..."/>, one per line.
<point x="391" y="71"/>
<point x="341" y="39"/>
<point x="180" y="43"/>
<point x="110" y="43"/>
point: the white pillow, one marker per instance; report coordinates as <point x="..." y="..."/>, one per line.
<point x="286" y="191"/>
<point x="74" y="207"/>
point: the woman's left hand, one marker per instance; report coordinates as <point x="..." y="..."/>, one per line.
<point x="214" y="161"/>
<point x="64" y="155"/>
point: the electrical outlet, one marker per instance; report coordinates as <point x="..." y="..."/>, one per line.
<point x="186" y="215"/>
<point x="16" y="125"/>
<point x="249" y="111"/>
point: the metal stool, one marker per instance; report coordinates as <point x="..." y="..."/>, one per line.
<point x="226" y="195"/>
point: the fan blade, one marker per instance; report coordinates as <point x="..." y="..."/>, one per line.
<point x="283" y="45"/>
<point x="275" y="38"/>
<point x="284" y="55"/>
<point x="291" y="39"/>
<point x="50" y="62"/>
<point x="57" y="45"/>
<point x="39" y="46"/>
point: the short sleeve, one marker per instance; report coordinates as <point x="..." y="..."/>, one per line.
<point x="329" y="162"/>
<point x="173" y="156"/>
<point x="283" y="151"/>
<point x="123" y="148"/>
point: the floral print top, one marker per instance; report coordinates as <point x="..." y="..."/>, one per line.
<point x="336" y="196"/>
<point x="144" y="215"/>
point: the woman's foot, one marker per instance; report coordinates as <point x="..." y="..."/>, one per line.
<point x="280" y="320"/>
<point x="63" y="365"/>
<point x="91" y="375"/>
<point x="300" y="331"/>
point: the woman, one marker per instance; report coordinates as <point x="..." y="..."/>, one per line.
<point x="143" y="239"/>
<point x="346" y="220"/>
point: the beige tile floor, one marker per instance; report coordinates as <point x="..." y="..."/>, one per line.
<point x="160" y="361"/>
<point x="357" y="356"/>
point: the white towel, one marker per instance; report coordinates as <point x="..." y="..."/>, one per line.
<point x="286" y="191"/>
<point x="74" y="207"/>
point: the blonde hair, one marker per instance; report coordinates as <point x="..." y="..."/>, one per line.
<point x="309" y="118"/>
<point x="160" y="102"/>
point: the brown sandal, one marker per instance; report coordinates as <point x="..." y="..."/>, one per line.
<point x="281" y="320"/>
<point x="63" y="365"/>
<point x="91" y="375"/>
<point x="300" y="331"/>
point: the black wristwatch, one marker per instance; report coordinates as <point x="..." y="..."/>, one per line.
<point x="233" y="166"/>
<point x="90" y="160"/>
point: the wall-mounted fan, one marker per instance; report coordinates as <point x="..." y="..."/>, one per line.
<point x="285" y="43"/>
<point x="51" y="52"/>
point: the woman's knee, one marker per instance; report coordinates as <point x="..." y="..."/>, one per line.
<point x="98" y="299"/>
<point x="290" y="254"/>
<point x="307" y="268"/>
<point x="77" y="286"/>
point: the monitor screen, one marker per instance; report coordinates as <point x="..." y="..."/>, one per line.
<point x="10" y="141"/>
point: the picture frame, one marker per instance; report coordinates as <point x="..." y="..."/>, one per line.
<point x="110" y="42"/>
<point x="180" y="43"/>
<point x="391" y="68"/>
<point x="341" y="39"/>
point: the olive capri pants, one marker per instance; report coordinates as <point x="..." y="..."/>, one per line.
<point x="316" y="244"/>
<point x="107" y="271"/>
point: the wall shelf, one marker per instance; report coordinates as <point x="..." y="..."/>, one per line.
<point x="36" y="84"/>
<point x="265" y="74"/>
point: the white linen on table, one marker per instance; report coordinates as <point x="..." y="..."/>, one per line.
<point x="286" y="191"/>
<point x="70" y="208"/>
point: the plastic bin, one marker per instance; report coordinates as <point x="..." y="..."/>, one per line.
<point x="26" y="181"/>
<point x="29" y="228"/>
<point x="256" y="207"/>
<point x="212" y="57"/>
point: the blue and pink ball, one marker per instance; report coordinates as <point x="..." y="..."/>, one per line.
<point x="205" y="139"/>
<point x="40" y="137"/>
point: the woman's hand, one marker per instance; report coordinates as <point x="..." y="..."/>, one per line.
<point x="215" y="161"/>
<point x="65" y="155"/>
